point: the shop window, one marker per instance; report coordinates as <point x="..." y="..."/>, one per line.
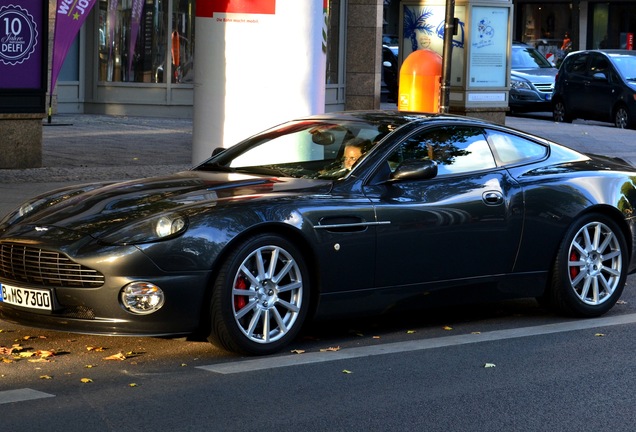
<point x="155" y="45"/>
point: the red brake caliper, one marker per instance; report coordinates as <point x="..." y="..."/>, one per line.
<point x="240" y="301"/>
<point x="574" y="271"/>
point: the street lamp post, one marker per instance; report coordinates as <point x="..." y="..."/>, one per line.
<point x="449" y="30"/>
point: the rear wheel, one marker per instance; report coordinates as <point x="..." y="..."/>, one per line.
<point x="260" y="297"/>
<point x="590" y="269"/>
<point x="621" y="118"/>
<point x="560" y="113"/>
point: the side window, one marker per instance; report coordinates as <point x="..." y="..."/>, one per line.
<point x="456" y="149"/>
<point x="577" y="65"/>
<point x="512" y="149"/>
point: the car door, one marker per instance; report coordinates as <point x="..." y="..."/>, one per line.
<point x="464" y="223"/>
<point x="574" y="83"/>
<point x="600" y="91"/>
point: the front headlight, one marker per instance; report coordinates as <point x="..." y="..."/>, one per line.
<point x="520" y="85"/>
<point x="160" y="227"/>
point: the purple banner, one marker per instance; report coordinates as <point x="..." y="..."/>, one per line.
<point x="21" y="45"/>
<point x="137" y="9"/>
<point x="69" y="17"/>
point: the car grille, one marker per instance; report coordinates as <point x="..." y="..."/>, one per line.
<point x="36" y="266"/>
<point x="545" y="88"/>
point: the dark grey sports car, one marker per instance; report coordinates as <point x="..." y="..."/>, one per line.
<point x="325" y="216"/>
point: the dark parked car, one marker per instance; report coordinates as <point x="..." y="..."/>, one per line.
<point x="531" y="80"/>
<point x="597" y="85"/>
<point x="274" y="231"/>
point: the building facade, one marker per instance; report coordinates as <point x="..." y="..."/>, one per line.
<point x="106" y="72"/>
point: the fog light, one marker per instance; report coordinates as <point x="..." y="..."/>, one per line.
<point x="142" y="298"/>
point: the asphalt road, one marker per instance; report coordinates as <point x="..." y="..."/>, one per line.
<point x="506" y="366"/>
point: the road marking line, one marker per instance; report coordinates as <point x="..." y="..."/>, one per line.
<point x="21" y="395"/>
<point x="416" y="345"/>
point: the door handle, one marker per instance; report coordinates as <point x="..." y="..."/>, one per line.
<point x="493" y="197"/>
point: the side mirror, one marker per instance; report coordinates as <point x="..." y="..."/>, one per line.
<point x="217" y="151"/>
<point x="415" y="170"/>
<point x="599" y="76"/>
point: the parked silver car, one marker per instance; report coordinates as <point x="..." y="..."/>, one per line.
<point x="531" y="81"/>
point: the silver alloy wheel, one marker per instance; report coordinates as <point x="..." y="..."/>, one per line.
<point x="558" y="114"/>
<point x="595" y="263"/>
<point x="267" y="294"/>
<point x="621" y="118"/>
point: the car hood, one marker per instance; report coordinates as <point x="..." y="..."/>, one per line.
<point x="535" y="74"/>
<point x="96" y="209"/>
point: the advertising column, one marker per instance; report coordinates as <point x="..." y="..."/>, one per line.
<point x="23" y="63"/>
<point x="258" y="63"/>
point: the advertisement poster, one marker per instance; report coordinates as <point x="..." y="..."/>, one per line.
<point x="423" y="28"/>
<point x="488" y="47"/>
<point x="21" y="45"/>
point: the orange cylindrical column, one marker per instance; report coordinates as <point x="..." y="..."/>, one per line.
<point x="419" y="88"/>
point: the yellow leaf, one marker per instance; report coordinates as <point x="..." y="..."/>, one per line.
<point x="184" y="364"/>
<point x="86" y="380"/>
<point x="410" y="331"/>
<point x="347" y="371"/>
<point x="96" y="349"/>
<point x="132" y="385"/>
<point x="447" y="328"/>
<point x="376" y="337"/>
<point x="89" y="366"/>
<point x="7" y="360"/>
<point x="297" y="351"/>
<point x="26" y="354"/>
<point x="489" y="365"/>
<point x="599" y="335"/>
<point x="47" y="377"/>
<point x="118" y="356"/>
<point x="39" y="360"/>
<point x="337" y="348"/>
<point x="45" y="354"/>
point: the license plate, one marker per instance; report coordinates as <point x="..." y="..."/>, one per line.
<point x="28" y="298"/>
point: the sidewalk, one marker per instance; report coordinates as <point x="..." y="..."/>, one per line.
<point x="81" y="148"/>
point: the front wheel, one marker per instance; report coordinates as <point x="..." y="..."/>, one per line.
<point x="260" y="297"/>
<point x="621" y="118"/>
<point x="590" y="269"/>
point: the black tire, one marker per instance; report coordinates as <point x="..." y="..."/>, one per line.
<point x="560" y="113"/>
<point x="590" y="268"/>
<point x="621" y="118"/>
<point x="274" y="276"/>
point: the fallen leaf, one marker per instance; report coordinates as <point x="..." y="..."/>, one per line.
<point x="39" y="360"/>
<point x="5" y="351"/>
<point x="347" y="371"/>
<point x="297" y="351"/>
<point x="447" y="328"/>
<point x="88" y="366"/>
<point x="132" y="385"/>
<point x="26" y="354"/>
<point x="621" y="302"/>
<point x="118" y="356"/>
<point x="7" y="360"/>
<point x="184" y="364"/>
<point x="410" y="331"/>
<point x="599" y="334"/>
<point x="44" y="353"/>
<point x="476" y="333"/>
<point x="86" y="380"/>
<point x="47" y="377"/>
<point x="376" y="337"/>
<point x="489" y="365"/>
<point x="337" y="348"/>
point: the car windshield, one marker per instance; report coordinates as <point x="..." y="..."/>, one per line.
<point x="528" y="58"/>
<point x="326" y="149"/>
<point x="626" y="65"/>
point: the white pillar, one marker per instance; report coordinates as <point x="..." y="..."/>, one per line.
<point x="257" y="64"/>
